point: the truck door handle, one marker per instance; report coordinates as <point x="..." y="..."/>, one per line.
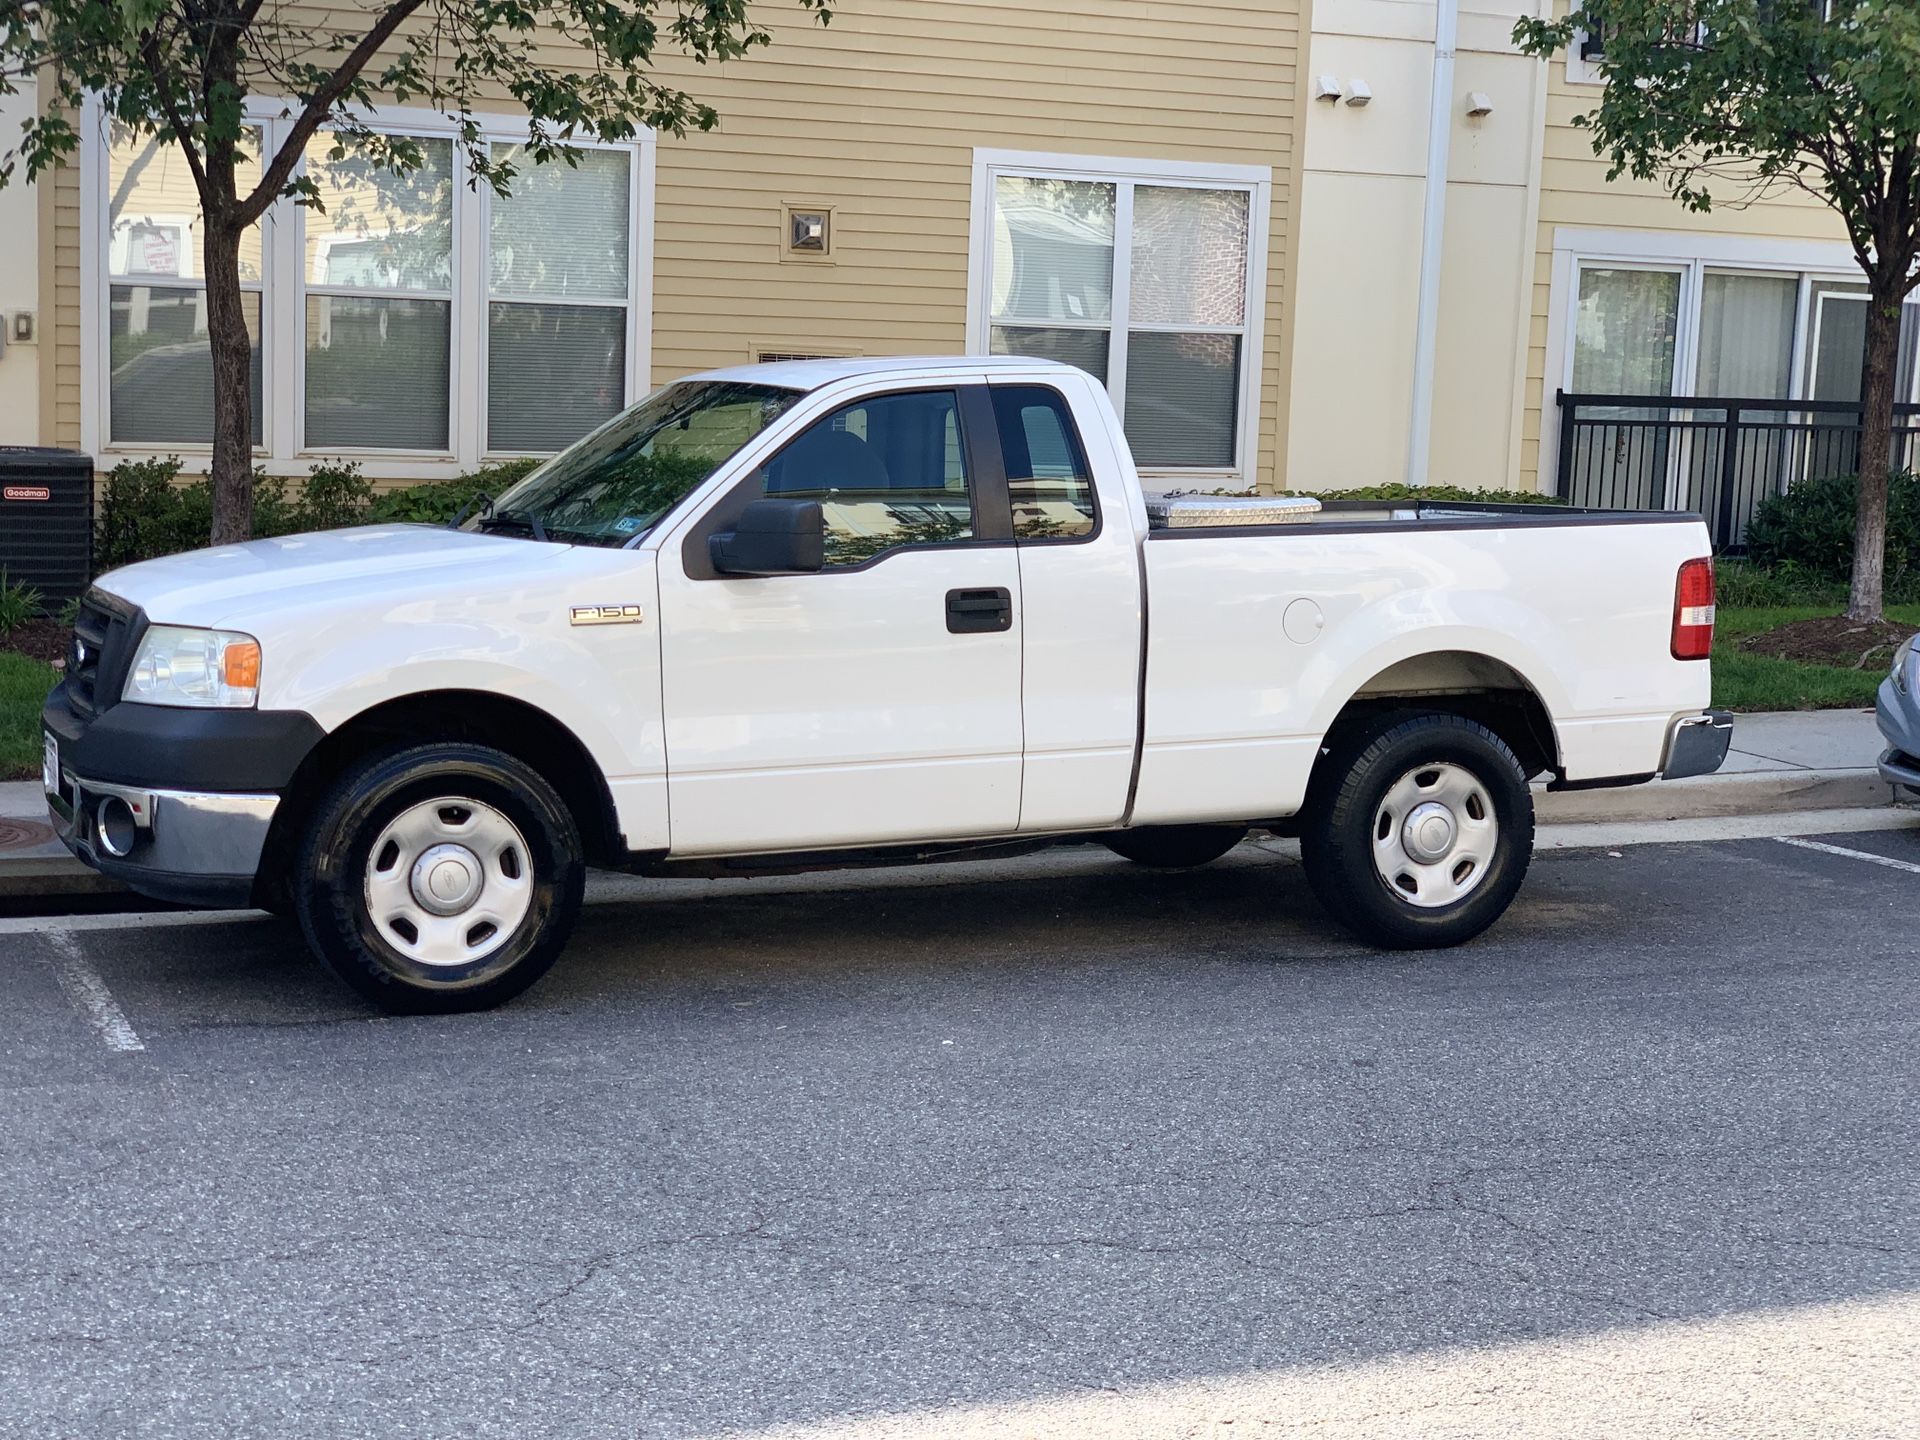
<point x="979" y="612"/>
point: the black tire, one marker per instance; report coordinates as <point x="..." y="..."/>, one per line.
<point x="1337" y="837"/>
<point x="1175" y="847"/>
<point x="331" y="877"/>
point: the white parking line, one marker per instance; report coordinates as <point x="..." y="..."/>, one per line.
<point x="89" y="993"/>
<point x="1871" y="859"/>
<point x="128" y="920"/>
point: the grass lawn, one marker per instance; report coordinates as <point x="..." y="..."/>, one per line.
<point x="24" y="684"/>
<point x="1759" y="682"/>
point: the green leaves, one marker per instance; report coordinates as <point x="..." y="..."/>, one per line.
<point x="1725" y="100"/>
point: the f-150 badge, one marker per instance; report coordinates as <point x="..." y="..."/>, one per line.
<point x="606" y="615"/>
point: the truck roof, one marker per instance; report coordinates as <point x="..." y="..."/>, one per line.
<point x="811" y="374"/>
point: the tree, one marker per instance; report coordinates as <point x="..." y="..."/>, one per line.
<point x="182" y="70"/>
<point x="1724" y="101"/>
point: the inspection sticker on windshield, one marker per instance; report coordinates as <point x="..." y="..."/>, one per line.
<point x="606" y="615"/>
<point x="627" y="524"/>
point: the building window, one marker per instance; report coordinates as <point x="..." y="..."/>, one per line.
<point x="1146" y="275"/>
<point x="557" y="316"/>
<point x="1588" y="52"/>
<point x="378" y="318"/>
<point x="159" y="364"/>
<point x="418" y="318"/>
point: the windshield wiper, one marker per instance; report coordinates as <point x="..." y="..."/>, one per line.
<point x="515" y="518"/>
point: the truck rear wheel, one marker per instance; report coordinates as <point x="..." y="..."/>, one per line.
<point x="1420" y="832"/>
<point x="1176" y="847"/>
<point x="440" y="878"/>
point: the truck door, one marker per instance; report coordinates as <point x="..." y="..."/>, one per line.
<point x="876" y="700"/>
<point x="1081" y="585"/>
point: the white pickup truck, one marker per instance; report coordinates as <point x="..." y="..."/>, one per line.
<point x="834" y="612"/>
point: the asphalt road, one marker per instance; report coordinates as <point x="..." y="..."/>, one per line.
<point x="1079" y="1152"/>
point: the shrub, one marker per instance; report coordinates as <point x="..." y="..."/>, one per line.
<point x="144" y="513"/>
<point x="1810" y="528"/>
<point x="1743" y="585"/>
<point x="19" y="603"/>
<point x="336" y="495"/>
<point x="274" y="513"/>
<point x="438" y="501"/>
<point x="1443" y="493"/>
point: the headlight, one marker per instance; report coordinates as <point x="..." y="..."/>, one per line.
<point x="180" y="665"/>
<point x="1898" y="670"/>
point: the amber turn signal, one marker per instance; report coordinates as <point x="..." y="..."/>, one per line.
<point x="240" y="665"/>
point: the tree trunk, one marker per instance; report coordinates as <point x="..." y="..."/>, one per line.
<point x="1876" y="442"/>
<point x="232" y="349"/>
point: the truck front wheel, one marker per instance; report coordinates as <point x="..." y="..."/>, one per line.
<point x="1418" y="831"/>
<point x="439" y="878"/>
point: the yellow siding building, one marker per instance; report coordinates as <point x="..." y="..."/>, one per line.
<point x="1221" y="207"/>
<point x="872" y="188"/>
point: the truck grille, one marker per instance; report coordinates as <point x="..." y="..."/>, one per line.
<point x="97" y="658"/>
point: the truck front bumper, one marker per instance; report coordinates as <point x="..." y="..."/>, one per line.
<point x="173" y="803"/>
<point x="193" y="847"/>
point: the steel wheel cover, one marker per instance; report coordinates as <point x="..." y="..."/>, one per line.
<point x="1435" y="835"/>
<point x="448" y="881"/>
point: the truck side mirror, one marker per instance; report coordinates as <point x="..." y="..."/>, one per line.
<point x="772" y="537"/>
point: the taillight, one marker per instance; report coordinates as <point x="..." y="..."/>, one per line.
<point x="1693" y="611"/>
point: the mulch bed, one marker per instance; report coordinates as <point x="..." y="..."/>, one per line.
<point x="1832" y="640"/>
<point x="40" y="639"/>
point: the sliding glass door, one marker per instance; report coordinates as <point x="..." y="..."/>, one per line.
<point x="1747" y="325"/>
<point x="1626" y="342"/>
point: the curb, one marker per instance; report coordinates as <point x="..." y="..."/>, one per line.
<point x="1707" y="797"/>
<point x="34" y="876"/>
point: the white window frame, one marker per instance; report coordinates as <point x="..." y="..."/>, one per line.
<point x="1580" y="70"/>
<point x="639" y="280"/>
<point x="406" y="124"/>
<point x="1123" y="174"/>
<point x="283" y="286"/>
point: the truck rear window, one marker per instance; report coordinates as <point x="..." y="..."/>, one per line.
<point x="1047" y="476"/>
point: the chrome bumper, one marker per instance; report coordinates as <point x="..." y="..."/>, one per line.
<point x="192" y="847"/>
<point x="1698" y="745"/>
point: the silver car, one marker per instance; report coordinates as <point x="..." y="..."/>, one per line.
<point x="1898" y="709"/>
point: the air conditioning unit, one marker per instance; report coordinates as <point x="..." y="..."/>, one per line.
<point x="46" y="520"/>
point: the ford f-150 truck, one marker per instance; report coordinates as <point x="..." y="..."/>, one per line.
<point x="817" y="613"/>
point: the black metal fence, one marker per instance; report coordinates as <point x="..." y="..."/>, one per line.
<point x="1719" y="457"/>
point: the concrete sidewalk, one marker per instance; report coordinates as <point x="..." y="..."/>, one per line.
<point x="1810" y="760"/>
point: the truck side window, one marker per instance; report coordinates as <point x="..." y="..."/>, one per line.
<point x="888" y="471"/>
<point x="1047" y="476"/>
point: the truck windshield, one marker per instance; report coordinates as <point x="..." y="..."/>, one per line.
<point x="619" y="481"/>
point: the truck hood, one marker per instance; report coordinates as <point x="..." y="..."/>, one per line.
<point x="230" y="584"/>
